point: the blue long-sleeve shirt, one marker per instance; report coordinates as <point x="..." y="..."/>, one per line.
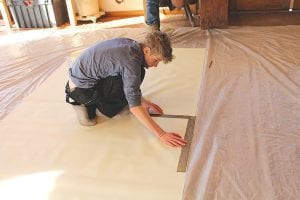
<point x="120" y="56"/>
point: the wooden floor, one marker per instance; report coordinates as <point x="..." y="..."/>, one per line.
<point x="102" y="19"/>
<point x="264" y="18"/>
<point x="235" y="19"/>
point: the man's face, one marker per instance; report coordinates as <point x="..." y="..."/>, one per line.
<point x="151" y="60"/>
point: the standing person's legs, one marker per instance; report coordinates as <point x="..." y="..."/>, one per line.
<point x="151" y="9"/>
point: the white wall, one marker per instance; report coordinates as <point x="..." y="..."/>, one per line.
<point x="126" y="5"/>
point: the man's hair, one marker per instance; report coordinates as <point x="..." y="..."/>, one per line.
<point x="159" y="44"/>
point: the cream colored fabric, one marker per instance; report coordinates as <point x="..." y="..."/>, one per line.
<point x="178" y="82"/>
<point x="46" y="154"/>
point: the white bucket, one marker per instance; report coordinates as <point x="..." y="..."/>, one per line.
<point x="87" y="7"/>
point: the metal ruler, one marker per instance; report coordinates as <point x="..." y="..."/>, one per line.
<point x="184" y="155"/>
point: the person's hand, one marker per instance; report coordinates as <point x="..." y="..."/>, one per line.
<point x="152" y="108"/>
<point x="172" y="139"/>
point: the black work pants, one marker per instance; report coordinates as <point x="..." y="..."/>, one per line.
<point x="107" y="96"/>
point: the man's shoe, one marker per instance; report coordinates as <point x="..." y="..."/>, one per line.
<point x="82" y="116"/>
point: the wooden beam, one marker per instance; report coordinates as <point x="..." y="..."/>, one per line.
<point x="71" y="12"/>
<point x="130" y="13"/>
<point x="5" y="13"/>
<point x="213" y="14"/>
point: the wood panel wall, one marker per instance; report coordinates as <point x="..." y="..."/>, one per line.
<point x="251" y="5"/>
<point x="264" y="13"/>
<point x="297" y="4"/>
<point x="221" y="13"/>
<point x="213" y="14"/>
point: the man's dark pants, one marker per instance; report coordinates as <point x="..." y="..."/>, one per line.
<point x="107" y="96"/>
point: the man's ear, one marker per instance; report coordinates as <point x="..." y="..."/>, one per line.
<point x="146" y="50"/>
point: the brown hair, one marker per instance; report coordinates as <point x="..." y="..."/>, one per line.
<point x="160" y="44"/>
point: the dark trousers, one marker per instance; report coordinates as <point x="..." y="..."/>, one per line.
<point x="151" y="10"/>
<point x="107" y="96"/>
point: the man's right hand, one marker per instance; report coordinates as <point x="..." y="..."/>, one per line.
<point x="173" y="140"/>
<point x="168" y="138"/>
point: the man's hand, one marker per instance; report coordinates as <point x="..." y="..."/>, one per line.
<point x="168" y="138"/>
<point x="152" y="108"/>
<point x="172" y="139"/>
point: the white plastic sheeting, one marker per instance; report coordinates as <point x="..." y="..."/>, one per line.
<point x="246" y="142"/>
